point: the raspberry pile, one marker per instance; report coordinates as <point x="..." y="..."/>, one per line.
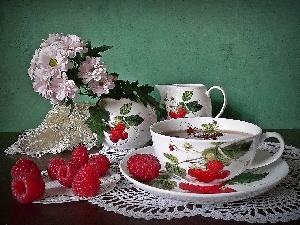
<point x="143" y="167"/>
<point x="214" y="170"/>
<point x="180" y="113"/>
<point x="81" y="173"/>
<point x="118" y="132"/>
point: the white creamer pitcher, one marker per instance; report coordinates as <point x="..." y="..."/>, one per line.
<point x="188" y="100"/>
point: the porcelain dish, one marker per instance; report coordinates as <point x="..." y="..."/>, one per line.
<point x="275" y="171"/>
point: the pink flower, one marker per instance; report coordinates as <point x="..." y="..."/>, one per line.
<point x="91" y="69"/>
<point x="102" y="86"/>
<point x="73" y="44"/>
<point x="63" y="89"/>
<point x="51" y="58"/>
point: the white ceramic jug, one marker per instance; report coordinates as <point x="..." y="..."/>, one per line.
<point x="188" y="100"/>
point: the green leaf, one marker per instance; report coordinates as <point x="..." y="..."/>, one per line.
<point x="95" y="52"/>
<point x="177" y="170"/>
<point x="247" y="177"/>
<point x="193" y="106"/>
<point x="133" y="120"/>
<point x="163" y="182"/>
<point x="171" y="157"/>
<point x="187" y="95"/>
<point x="126" y="108"/>
<point x="97" y="120"/>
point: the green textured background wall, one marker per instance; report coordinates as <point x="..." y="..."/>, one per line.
<point x="250" y="48"/>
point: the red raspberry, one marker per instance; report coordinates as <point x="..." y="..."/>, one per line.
<point x="101" y="163"/>
<point x="86" y="182"/>
<point x="120" y="126"/>
<point x="25" y="165"/>
<point x="214" y="166"/>
<point x="66" y="173"/>
<point x="143" y="167"/>
<point x="53" y="166"/>
<point x="80" y="155"/>
<point x="27" y="187"/>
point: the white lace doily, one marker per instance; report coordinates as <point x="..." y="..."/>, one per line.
<point x="59" y="131"/>
<point x="280" y="204"/>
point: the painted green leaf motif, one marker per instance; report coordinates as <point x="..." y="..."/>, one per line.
<point x="187" y="95"/>
<point x="247" y="177"/>
<point x="163" y="182"/>
<point x="213" y="153"/>
<point x="133" y="120"/>
<point x="182" y="106"/>
<point x="126" y="108"/>
<point x="171" y="168"/>
<point x="119" y="119"/>
<point x="171" y="157"/>
<point x="193" y="106"/>
<point x="236" y="150"/>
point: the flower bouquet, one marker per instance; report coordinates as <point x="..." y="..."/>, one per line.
<point x="65" y="67"/>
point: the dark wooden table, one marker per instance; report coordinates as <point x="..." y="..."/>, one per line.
<point x="15" y="213"/>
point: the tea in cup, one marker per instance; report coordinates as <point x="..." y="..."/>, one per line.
<point x="209" y="150"/>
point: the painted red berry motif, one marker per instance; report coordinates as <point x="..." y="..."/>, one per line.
<point x="53" y="165"/>
<point x="25" y="165"/>
<point x="118" y="132"/>
<point x="181" y="113"/>
<point x="190" y="131"/>
<point x="213" y="171"/>
<point x="214" y="166"/>
<point x="209" y="189"/>
<point x="80" y="155"/>
<point x="143" y="167"/>
<point x="171" y="147"/>
<point x="101" y="163"/>
<point x="173" y="114"/>
<point x="27" y="187"/>
<point x="86" y="182"/>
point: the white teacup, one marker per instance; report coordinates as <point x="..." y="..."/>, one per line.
<point x="209" y="161"/>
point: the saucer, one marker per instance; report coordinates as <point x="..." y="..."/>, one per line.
<point x="274" y="173"/>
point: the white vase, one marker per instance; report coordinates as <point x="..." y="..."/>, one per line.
<point x="136" y="120"/>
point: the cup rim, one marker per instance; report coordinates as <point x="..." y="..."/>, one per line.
<point x="252" y="135"/>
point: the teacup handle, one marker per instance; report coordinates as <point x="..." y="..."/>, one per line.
<point x="272" y="158"/>
<point x="224" y="98"/>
